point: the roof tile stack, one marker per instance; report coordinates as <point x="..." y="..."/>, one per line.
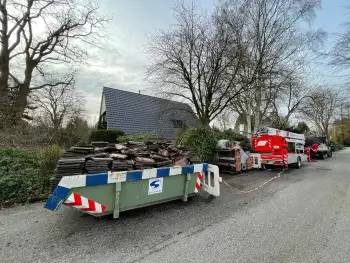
<point x="102" y="157"/>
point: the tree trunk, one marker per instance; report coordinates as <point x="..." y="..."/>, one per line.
<point x="249" y="121"/>
<point x="205" y="121"/>
<point x="4" y="75"/>
<point x="56" y="129"/>
<point x="258" y="96"/>
<point x="4" y="69"/>
<point x="20" y="104"/>
<point x="256" y="119"/>
<point x="326" y="131"/>
<point x="257" y="110"/>
<point x="21" y="99"/>
<point x="4" y="81"/>
<point x="4" y="56"/>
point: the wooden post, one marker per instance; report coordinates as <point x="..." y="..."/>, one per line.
<point x="250" y="163"/>
<point x="238" y="160"/>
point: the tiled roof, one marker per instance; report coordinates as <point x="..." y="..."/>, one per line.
<point x="137" y="113"/>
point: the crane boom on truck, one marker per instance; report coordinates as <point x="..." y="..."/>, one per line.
<point x="279" y="147"/>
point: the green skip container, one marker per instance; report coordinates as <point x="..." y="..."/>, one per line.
<point x="114" y="192"/>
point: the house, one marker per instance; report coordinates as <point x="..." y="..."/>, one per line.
<point x="137" y="113"/>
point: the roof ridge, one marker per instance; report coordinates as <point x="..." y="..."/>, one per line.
<point x="172" y="101"/>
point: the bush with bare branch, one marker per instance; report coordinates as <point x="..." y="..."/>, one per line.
<point x="58" y="105"/>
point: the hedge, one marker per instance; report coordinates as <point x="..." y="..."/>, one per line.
<point x="233" y="136"/>
<point x="346" y="142"/>
<point x="204" y="141"/>
<point x="201" y="140"/>
<point x="25" y="173"/>
<point x="105" y="135"/>
<point x="145" y="137"/>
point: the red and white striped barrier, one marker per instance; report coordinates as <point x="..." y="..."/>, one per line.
<point x="307" y="150"/>
<point x="84" y="204"/>
<point x="198" y="183"/>
<point x="258" y="187"/>
<point x="285" y="160"/>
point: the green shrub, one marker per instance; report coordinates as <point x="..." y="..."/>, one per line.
<point x="47" y="159"/>
<point x="19" y="176"/>
<point x="106" y="135"/>
<point x="25" y="173"/>
<point x="233" y="136"/>
<point x="346" y="142"/>
<point x="146" y="137"/>
<point x="77" y="132"/>
<point x="203" y="141"/>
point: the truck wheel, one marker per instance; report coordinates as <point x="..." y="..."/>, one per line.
<point x="298" y="163"/>
<point x="209" y="198"/>
<point x="323" y="155"/>
<point x="330" y="154"/>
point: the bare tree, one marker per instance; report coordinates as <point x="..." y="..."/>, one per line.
<point x="59" y="104"/>
<point x="340" y="53"/>
<point x="226" y="120"/>
<point x="198" y="61"/>
<point x="290" y="97"/>
<point x="38" y="38"/>
<point x="321" y="107"/>
<point x="275" y="45"/>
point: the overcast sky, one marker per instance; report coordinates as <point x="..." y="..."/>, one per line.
<point x="122" y="61"/>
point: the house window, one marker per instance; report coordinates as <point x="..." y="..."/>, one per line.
<point x="179" y="127"/>
<point x="178" y="124"/>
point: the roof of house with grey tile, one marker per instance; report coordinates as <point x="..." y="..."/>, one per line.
<point x="137" y="113"/>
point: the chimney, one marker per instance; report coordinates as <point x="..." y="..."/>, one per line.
<point x="139" y="91"/>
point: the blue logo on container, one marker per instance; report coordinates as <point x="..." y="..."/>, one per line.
<point x="155" y="184"/>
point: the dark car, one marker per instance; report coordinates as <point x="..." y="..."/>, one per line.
<point x="323" y="146"/>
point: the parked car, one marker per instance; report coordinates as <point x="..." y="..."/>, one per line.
<point x="320" y="146"/>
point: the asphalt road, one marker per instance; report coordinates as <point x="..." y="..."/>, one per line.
<point x="302" y="217"/>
